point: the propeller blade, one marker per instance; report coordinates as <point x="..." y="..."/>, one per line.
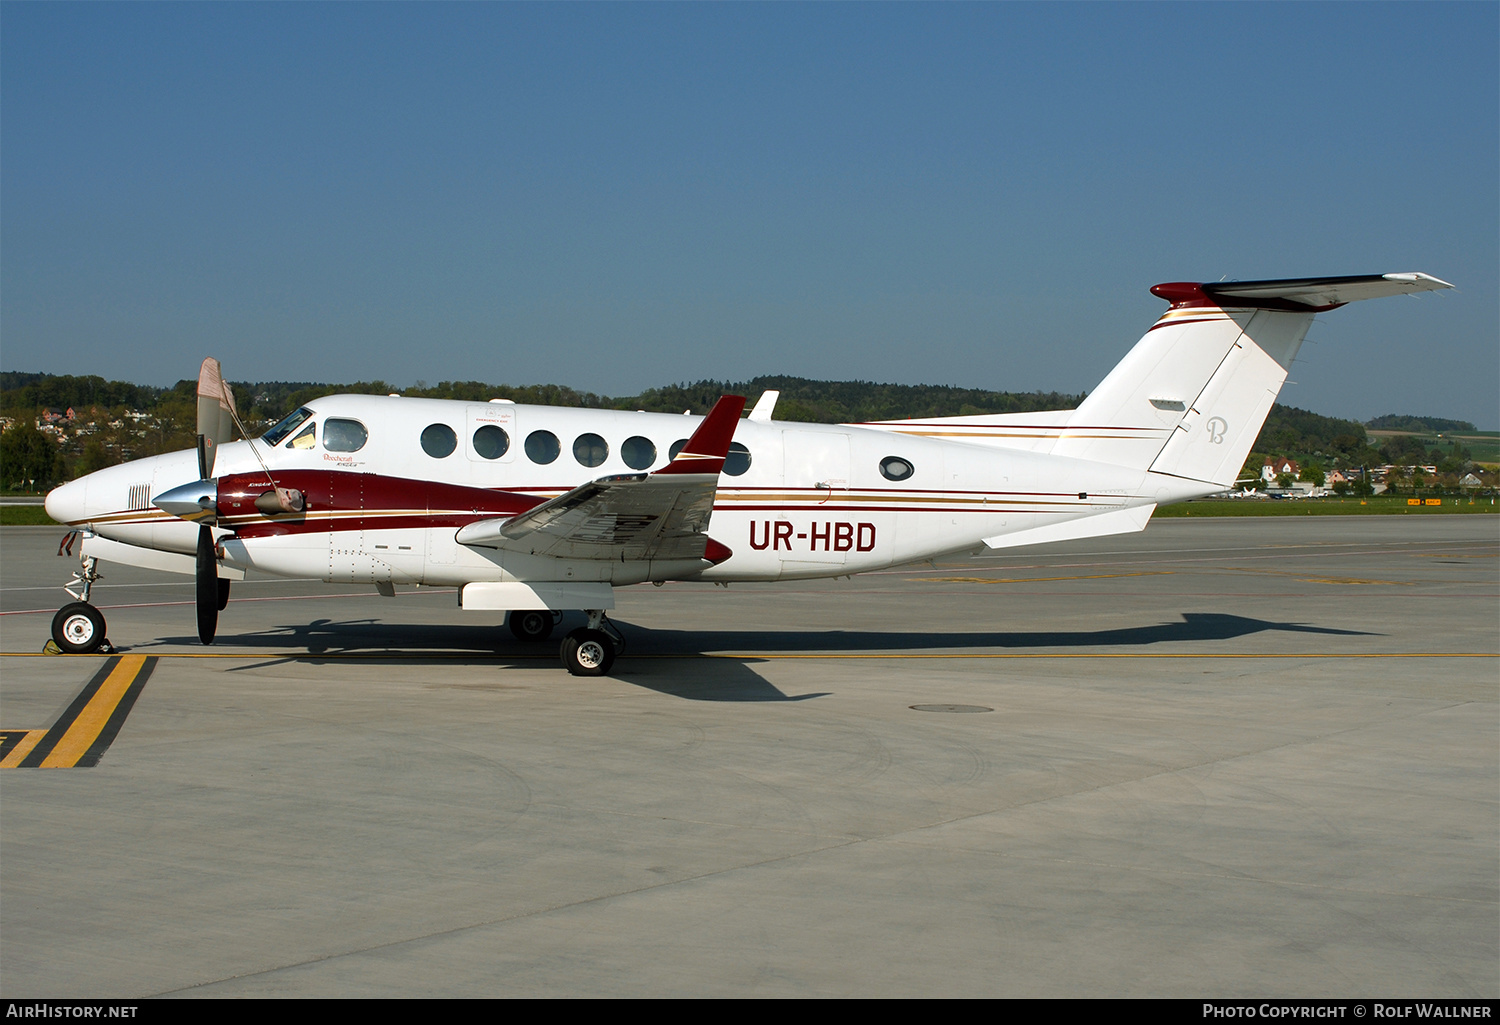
<point x="208" y="586"/>
<point x="205" y="457"/>
<point x="215" y="414"/>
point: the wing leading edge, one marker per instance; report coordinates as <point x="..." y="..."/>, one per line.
<point x="633" y="516"/>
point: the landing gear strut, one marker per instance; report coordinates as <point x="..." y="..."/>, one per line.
<point x="78" y="627"/>
<point x="589" y="650"/>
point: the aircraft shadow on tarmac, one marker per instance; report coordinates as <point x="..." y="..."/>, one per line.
<point x="722" y="678"/>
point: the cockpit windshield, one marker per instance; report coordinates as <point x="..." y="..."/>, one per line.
<point x="275" y="434"/>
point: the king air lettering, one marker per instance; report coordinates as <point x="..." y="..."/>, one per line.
<point x="829" y="536"/>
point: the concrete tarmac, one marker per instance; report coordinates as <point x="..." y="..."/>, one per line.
<point x="1226" y="757"/>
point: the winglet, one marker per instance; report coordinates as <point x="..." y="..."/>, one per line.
<point x="706" y="449"/>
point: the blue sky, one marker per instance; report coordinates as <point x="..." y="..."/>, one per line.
<point x="623" y="195"/>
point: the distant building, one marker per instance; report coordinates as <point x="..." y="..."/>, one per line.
<point x="1276" y="467"/>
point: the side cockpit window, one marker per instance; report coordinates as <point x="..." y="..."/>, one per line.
<point x="306" y="439"/>
<point x="277" y="434"/>
<point x="344" y="435"/>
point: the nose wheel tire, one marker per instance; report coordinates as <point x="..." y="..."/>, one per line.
<point x="78" y="628"/>
<point x="530" y="625"/>
<point x="587" y="652"/>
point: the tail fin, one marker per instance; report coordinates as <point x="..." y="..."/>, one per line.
<point x="1191" y="397"/>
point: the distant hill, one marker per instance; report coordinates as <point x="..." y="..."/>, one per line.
<point x="1419" y="424"/>
<point x="21" y="392"/>
<point x="850" y="401"/>
<point x="801" y="399"/>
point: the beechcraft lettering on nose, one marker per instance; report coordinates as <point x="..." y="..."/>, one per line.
<point x="534" y="510"/>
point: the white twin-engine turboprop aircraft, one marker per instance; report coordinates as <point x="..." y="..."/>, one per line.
<point x="538" y="509"/>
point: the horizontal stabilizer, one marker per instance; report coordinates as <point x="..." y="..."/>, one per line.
<point x="1297" y="294"/>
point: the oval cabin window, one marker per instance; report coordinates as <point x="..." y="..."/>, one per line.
<point x="638" y="453"/>
<point x="542" y="447"/>
<point x="590" y="449"/>
<point x="738" y="459"/>
<point x="439" y="440"/>
<point x="736" y="462"/>
<point x="895" y="468"/>
<point x="491" y="442"/>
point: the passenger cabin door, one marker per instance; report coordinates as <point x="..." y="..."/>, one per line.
<point x="815" y="471"/>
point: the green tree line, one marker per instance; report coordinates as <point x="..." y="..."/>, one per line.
<point x="111" y="435"/>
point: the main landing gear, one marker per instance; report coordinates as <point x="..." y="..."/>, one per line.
<point x="78" y="627"/>
<point x="587" y="651"/>
<point x="591" y="650"/>
<point x="531" y="625"/>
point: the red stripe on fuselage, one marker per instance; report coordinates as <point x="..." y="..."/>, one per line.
<point x="339" y="500"/>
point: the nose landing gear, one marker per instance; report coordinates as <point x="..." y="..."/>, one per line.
<point x="78" y="627"/>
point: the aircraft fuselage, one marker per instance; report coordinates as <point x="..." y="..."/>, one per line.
<point x="800" y="500"/>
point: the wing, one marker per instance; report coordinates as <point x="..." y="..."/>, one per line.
<point x="633" y="516"/>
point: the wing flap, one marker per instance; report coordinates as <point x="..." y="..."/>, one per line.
<point x="631" y="517"/>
